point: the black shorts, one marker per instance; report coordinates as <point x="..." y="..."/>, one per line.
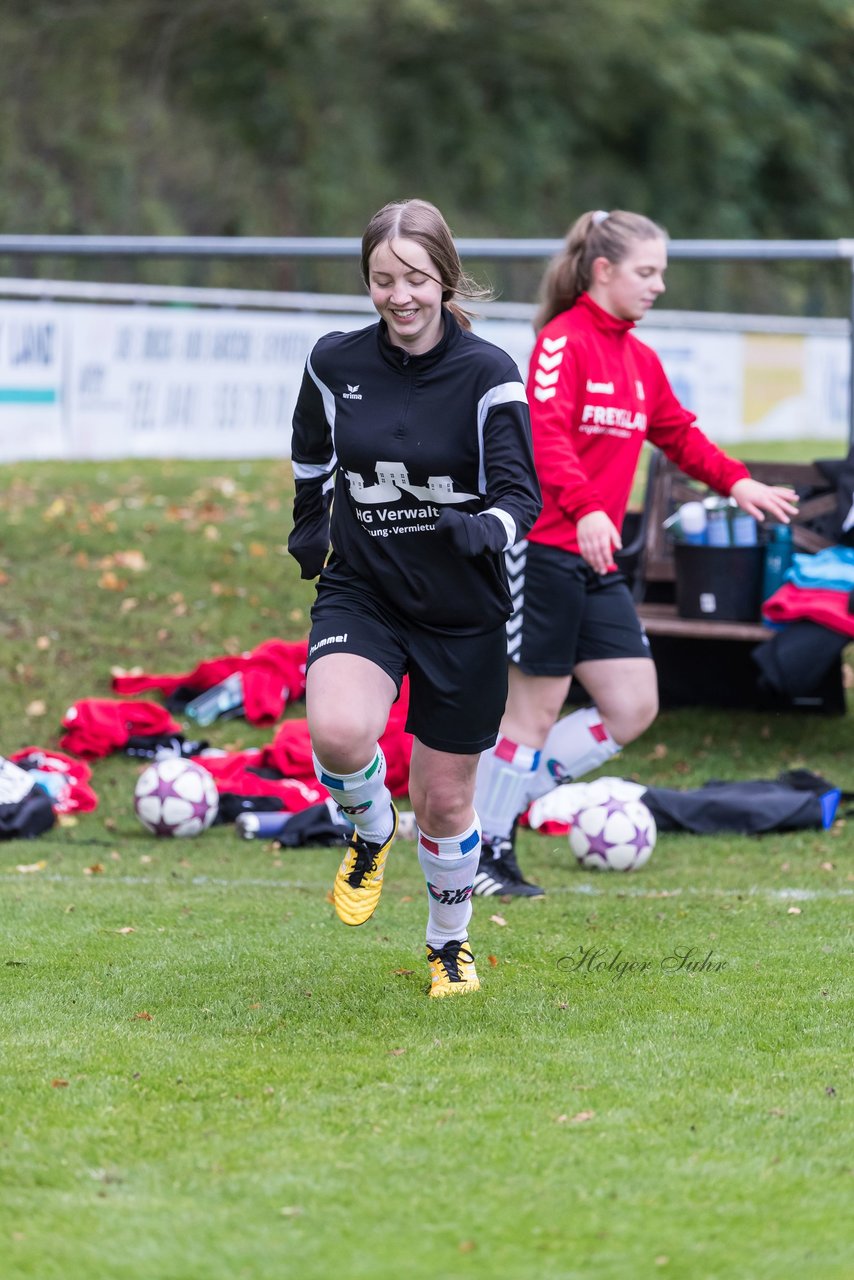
<point x="457" y="684"/>
<point x="566" y="613"/>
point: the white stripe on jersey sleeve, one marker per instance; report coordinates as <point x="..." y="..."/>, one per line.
<point x="504" y="393"/>
<point x="314" y="470"/>
<point x="508" y="522"/>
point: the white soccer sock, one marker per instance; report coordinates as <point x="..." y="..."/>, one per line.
<point x="362" y="795"/>
<point x="576" y="744"/>
<point x="449" y="867"/>
<point x="504" y="776"/>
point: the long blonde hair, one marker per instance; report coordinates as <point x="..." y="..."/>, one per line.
<point x="422" y="222"/>
<point x="596" y="234"/>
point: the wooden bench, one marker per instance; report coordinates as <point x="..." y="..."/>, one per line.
<point x="702" y="659"/>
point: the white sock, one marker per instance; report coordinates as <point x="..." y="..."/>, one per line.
<point x="449" y="867"/>
<point x="576" y="744"/>
<point x="363" y="796"/>
<point x="504" y="776"/>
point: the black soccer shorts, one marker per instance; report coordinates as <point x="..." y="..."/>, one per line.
<point x="566" y="613"/>
<point x="457" y="684"/>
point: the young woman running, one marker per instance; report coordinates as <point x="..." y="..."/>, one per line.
<point x="596" y="393"/>
<point x="413" y="437"/>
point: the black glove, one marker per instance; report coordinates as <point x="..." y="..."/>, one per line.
<point x="471" y="535"/>
<point x="310" y="554"/>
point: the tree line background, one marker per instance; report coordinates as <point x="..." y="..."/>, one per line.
<point x="718" y="118"/>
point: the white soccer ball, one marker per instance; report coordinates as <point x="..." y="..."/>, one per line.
<point x="175" y="797"/>
<point x="613" y="831"/>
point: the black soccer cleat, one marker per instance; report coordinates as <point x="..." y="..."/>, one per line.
<point x="498" y="874"/>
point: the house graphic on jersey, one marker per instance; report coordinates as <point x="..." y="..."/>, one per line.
<point x="393" y="481"/>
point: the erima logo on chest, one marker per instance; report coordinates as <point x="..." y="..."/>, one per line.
<point x="352" y="393"/>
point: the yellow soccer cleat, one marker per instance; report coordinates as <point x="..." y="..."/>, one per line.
<point x="452" y="971"/>
<point x="359" y="880"/>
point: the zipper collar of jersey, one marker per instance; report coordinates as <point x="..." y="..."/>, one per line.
<point x="603" y="319"/>
<point x="403" y="362"/>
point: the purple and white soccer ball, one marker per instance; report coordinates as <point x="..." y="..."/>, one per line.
<point x="613" y="830"/>
<point x="175" y="797"/>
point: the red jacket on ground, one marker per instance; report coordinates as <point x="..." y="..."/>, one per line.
<point x="98" y="726"/>
<point x="273" y="676"/>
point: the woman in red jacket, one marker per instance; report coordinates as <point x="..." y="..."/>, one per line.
<point x="596" y="393"/>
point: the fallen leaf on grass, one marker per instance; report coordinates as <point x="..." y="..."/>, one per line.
<point x="59" y="1084"/>
<point x="36" y="708"/>
<point x="402" y="973"/>
<point x="96" y="869"/>
<point x="396" y="1053"/>
<point x="144" y="1016"/>
<point x="128" y="928"/>
<point x="580" y="1118"/>
<point x="43" y="643"/>
<point x="493" y="960"/>
<point x="133" y="560"/>
<point x="793" y="911"/>
<point x="26" y="867"/>
<point x="466" y="1246"/>
<point x="290" y="1211"/>
<point x="498" y="920"/>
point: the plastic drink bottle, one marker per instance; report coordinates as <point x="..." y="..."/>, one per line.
<point x="744" y="529"/>
<point x="779" y="553"/>
<point x="717" y="526"/>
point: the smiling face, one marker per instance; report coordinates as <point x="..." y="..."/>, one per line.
<point x="407" y="293"/>
<point x="628" y="288"/>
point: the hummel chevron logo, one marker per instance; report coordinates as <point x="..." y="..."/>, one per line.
<point x="545" y="393"/>
<point x="545" y="379"/>
<point x="554" y="344"/>
<point x="549" y="362"/>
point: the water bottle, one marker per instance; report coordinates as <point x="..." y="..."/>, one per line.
<point x="717" y="523"/>
<point x="261" y="826"/>
<point x="223" y="701"/>
<point x="779" y="553"/>
<point x="688" y="523"/>
<point x="744" y="529"/>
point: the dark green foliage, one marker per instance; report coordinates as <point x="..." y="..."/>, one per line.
<point x="283" y="117"/>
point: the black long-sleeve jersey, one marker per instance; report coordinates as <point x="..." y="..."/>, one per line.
<point x="401" y="436"/>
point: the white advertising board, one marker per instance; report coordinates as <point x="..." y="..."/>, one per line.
<point x="157" y="382"/>
<point x="90" y="381"/>
<point x="33" y="346"/>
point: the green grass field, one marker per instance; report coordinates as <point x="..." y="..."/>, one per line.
<point x="206" y="1076"/>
